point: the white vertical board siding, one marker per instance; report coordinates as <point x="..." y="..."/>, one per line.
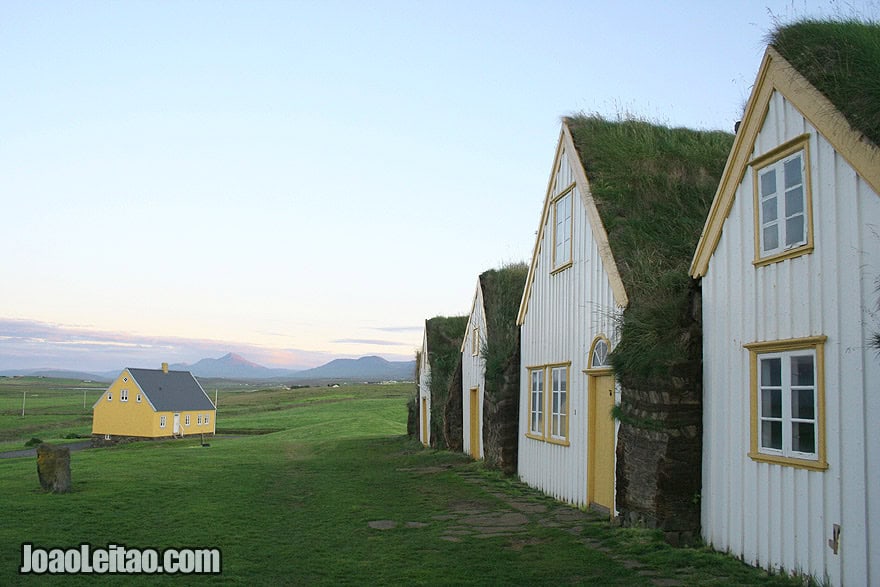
<point x="780" y="516"/>
<point x="565" y="312"/>
<point x="473" y="370"/>
<point x="424" y="391"/>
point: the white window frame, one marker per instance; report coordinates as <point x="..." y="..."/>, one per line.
<point x="138" y="397"/>
<point x="774" y="163"/>
<point x="559" y="392"/>
<point x="206" y="419"/>
<point x="186" y="420"/>
<point x="109" y="396"/>
<point x="563" y="212"/>
<point x="536" y="402"/>
<point x="162" y="421"/>
<point x="123" y="395"/>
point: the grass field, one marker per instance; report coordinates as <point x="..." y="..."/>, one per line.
<point x="336" y="495"/>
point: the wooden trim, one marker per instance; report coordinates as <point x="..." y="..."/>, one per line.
<point x="780" y="151"/>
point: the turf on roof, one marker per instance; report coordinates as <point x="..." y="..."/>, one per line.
<point x="841" y="59"/>
<point x="502" y="293"/>
<point x="653" y="186"/>
<point x="444" y="336"/>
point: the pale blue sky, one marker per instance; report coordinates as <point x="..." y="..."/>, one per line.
<point x="297" y="181"/>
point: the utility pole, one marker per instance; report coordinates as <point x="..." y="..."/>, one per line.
<point x="23" y="399"/>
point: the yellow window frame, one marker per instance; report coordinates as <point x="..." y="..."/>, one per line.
<point x="799" y="143"/>
<point x="817" y="345"/>
<point x="546" y="432"/>
<point x="557" y="266"/>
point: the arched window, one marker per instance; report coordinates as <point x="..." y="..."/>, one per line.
<point x="599" y="353"/>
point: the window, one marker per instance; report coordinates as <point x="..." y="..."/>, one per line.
<point x="199" y="419"/>
<point x="108" y="436"/>
<point x="599" y="353"/>
<point x="206" y="419"/>
<point x="782" y="203"/>
<point x="123" y="395"/>
<point x="186" y="420"/>
<point x="536" y="403"/>
<point x="555" y="403"/>
<point x="475" y="341"/>
<point x="161" y="421"/>
<point x="559" y="404"/>
<point x="109" y="396"/>
<point x="139" y="398"/>
<point x="788" y="402"/>
<point x="562" y="230"/>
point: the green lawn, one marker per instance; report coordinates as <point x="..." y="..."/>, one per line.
<point x="295" y="507"/>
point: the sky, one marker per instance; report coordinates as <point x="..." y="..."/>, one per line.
<point x="302" y="181"/>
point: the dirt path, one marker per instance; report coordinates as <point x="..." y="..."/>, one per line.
<point x="32" y="452"/>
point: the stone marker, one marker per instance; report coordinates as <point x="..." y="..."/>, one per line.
<point x="53" y="468"/>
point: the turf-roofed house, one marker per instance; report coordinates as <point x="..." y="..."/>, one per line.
<point x="490" y="369"/>
<point x="152" y="403"/>
<point x="789" y="263"/>
<point x="438" y="361"/>
<point x="607" y="321"/>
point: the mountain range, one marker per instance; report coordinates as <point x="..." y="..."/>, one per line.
<point x="234" y="366"/>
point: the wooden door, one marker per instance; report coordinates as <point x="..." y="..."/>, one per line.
<point x="475" y="423"/>
<point x="601" y="450"/>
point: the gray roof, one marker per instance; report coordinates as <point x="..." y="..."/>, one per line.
<point x="174" y="391"/>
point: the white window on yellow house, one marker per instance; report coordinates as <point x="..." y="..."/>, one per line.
<point x="109" y="396"/>
<point x="562" y="210"/>
<point x="161" y="421"/>
<point x="788" y="396"/>
<point x="783" y="225"/>
<point x="139" y="398"/>
<point x="536" y="402"/>
<point x="186" y="420"/>
<point x="206" y="419"/>
<point x="475" y="341"/>
<point x="123" y="395"/>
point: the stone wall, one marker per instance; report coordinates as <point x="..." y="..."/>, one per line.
<point x="501" y="418"/>
<point x="453" y="419"/>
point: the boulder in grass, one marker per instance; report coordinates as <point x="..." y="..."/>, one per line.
<point x="53" y="468"/>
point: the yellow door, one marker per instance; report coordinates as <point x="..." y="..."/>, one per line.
<point x="475" y="423"/>
<point x="601" y="450"/>
<point x="424" y="418"/>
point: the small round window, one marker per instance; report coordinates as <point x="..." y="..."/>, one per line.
<point x="599" y="356"/>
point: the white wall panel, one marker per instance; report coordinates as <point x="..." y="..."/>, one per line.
<point x="779" y="516"/>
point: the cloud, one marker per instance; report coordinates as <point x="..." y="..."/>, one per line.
<point x="30" y="344"/>
<point x="399" y="328"/>
<point x="369" y="341"/>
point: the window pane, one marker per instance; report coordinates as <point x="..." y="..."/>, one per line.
<point x="771" y="403"/>
<point x="555" y="403"/>
<point x="768" y="182"/>
<point x="803" y="437"/>
<point x="802" y="370"/>
<point x="562" y="402"/>
<point x="793" y="172"/>
<point x="600" y="354"/>
<point x="794" y="201"/>
<point x="794" y="230"/>
<point x="771" y="238"/>
<point x="771" y="372"/>
<point x="562" y="425"/>
<point x="802" y="406"/>
<point x="768" y="210"/>
<point x="563" y="381"/>
<point x="771" y="435"/>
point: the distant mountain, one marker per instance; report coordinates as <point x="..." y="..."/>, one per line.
<point x="362" y="369"/>
<point x="233" y="366"/>
<point x="58" y="374"/>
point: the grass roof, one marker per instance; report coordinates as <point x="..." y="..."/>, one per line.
<point x="502" y="293"/>
<point x="444" y="336"/>
<point x="653" y="186"/>
<point x="842" y="60"/>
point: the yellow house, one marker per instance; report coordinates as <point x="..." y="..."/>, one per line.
<point x="152" y="403"/>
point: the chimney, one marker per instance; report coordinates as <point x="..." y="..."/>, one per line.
<point x="164" y="367"/>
